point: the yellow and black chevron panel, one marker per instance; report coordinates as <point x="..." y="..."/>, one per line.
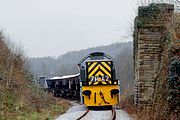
<point x="99" y="72"/>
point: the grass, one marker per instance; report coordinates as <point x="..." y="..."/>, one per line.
<point x="45" y="114"/>
<point x="42" y="106"/>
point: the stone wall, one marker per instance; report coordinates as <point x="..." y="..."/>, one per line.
<point x="151" y="45"/>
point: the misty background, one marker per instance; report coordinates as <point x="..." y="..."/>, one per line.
<point x="57" y="34"/>
<point x="66" y="64"/>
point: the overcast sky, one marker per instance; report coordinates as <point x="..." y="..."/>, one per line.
<point x="53" y="27"/>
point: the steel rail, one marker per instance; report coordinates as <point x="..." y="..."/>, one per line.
<point x="113" y="117"/>
<point x="83" y="115"/>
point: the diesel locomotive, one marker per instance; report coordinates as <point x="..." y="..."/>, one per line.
<point x="98" y="84"/>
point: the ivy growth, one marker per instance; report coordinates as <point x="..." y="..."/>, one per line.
<point x="140" y="23"/>
<point x="149" y="11"/>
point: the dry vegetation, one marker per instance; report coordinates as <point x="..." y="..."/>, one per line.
<point x="155" y="112"/>
<point x="19" y="98"/>
<point x="127" y="104"/>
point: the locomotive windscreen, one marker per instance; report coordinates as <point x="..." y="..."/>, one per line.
<point x="99" y="72"/>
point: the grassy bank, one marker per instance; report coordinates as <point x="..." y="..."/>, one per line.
<point x="35" y="105"/>
<point x="20" y="99"/>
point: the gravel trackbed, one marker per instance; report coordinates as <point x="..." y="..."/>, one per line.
<point x="77" y="110"/>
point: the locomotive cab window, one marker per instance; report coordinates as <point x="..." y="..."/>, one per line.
<point x="83" y="73"/>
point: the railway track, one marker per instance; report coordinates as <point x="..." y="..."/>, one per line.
<point x="83" y="115"/>
<point x="113" y="116"/>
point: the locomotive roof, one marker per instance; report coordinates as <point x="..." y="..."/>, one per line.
<point x="99" y="60"/>
<point x="64" y="77"/>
